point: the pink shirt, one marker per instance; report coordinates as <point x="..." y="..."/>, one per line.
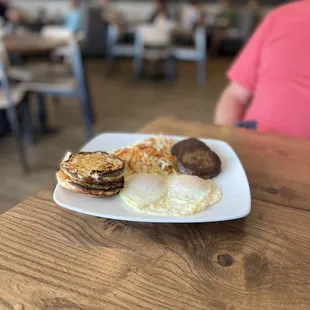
<point x="275" y="67"/>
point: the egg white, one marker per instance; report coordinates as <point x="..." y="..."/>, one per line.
<point x="144" y="191"/>
<point x="180" y="195"/>
<point x="187" y="194"/>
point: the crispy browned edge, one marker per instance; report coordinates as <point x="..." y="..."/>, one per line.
<point x="104" y="184"/>
<point x="65" y="182"/>
<point x="100" y="180"/>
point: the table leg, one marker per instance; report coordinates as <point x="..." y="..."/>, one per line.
<point x="88" y="94"/>
<point x="43" y="125"/>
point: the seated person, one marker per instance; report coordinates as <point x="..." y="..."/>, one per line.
<point x="192" y="15"/>
<point x="160" y="13"/>
<point x="73" y="20"/>
<point x="4" y="6"/>
<point x="226" y="15"/>
<point x="15" y="21"/>
<point x="224" y="25"/>
<point x="109" y="14"/>
<point x="269" y="81"/>
<point x="114" y="17"/>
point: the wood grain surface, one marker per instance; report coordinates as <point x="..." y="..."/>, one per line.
<point x="29" y="44"/>
<point x="52" y="258"/>
<point x="278" y="168"/>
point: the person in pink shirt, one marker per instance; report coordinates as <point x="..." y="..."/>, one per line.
<point x="270" y="79"/>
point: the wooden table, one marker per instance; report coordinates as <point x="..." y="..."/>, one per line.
<point x="31" y="44"/>
<point x="52" y="258"/>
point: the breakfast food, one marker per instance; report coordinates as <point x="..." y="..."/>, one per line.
<point x="184" y="145"/>
<point x="92" y="167"/>
<point x="144" y="191"/>
<point x="66" y="183"/>
<point x="195" y="158"/>
<point x="154" y="175"/>
<point x="180" y="195"/>
<point x="150" y="155"/>
<point x="96" y="174"/>
<point x="200" y="162"/>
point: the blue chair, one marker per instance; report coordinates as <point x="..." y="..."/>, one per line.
<point x="64" y="85"/>
<point x="197" y="53"/>
<point x="117" y="48"/>
<point x="11" y="97"/>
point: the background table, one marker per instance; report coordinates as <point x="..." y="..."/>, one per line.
<point x="52" y="258"/>
<point x="31" y="44"/>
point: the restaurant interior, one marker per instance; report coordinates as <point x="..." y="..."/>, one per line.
<point x="154" y="155"/>
<point x="64" y="93"/>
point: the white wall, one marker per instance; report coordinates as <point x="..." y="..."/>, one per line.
<point x="31" y="7"/>
<point x="134" y="10"/>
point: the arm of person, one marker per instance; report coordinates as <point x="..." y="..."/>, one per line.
<point x="232" y="105"/>
<point x="243" y="75"/>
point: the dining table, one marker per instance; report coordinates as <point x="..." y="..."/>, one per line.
<point x="53" y="258"/>
<point x="31" y="44"/>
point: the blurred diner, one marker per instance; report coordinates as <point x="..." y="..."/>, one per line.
<point x="269" y="80"/>
<point x="4" y="6"/>
<point x="15" y="20"/>
<point x="192" y="15"/>
<point x="160" y="11"/>
<point x="224" y="25"/>
<point x="73" y="19"/>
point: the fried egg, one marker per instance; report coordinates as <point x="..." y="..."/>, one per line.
<point x="187" y="194"/>
<point x="179" y="195"/>
<point x="145" y="191"/>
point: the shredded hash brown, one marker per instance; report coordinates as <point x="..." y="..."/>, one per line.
<point x="152" y="155"/>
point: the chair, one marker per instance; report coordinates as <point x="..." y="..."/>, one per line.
<point x="247" y="19"/>
<point x="70" y="86"/>
<point x="60" y="80"/>
<point x="12" y="96"/>
<point x="119" y="48"/>
<point x="197" y="53"/>
<point x="152" y="44"/>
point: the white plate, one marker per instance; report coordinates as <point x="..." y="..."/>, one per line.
<point x="235" y="203"/>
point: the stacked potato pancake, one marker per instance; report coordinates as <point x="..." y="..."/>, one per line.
<point x="95" y="174"/>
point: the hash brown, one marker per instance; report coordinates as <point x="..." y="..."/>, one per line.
<point x="150" y="155"/>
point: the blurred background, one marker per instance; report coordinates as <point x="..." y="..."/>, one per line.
<point x="73" y="69"/>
